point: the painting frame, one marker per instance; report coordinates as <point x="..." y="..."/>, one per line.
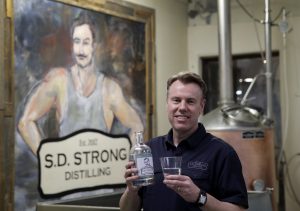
<point x="121" y="9"/>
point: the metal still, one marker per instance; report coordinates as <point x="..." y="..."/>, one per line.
<point x="252" y="141"/>
<point x="242" y="128"/>
<point x="245" y="128"/>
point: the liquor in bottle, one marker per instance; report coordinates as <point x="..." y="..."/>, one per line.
<point x="141" y="155"/>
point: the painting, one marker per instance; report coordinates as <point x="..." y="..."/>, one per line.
<point x="78" y="64"/>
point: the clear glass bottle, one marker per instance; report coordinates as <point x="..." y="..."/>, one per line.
<point x="141" y="155"/>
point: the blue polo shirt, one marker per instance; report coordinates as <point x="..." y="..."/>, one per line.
<point x="211" y="163"/>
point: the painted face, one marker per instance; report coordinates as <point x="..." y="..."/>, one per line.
<point x="83" y="47"/>
<point x="185" y="103"/>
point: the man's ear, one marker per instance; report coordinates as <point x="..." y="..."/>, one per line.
<point x="166" y="103"/>
<point x="203" y="102"/>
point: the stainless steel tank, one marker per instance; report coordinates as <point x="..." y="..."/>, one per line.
<point x="242" y="127"/>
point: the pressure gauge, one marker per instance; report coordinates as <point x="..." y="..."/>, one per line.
<point x="258" y="185"/>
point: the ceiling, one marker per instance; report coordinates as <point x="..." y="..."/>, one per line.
<point x="213" y="3"/>
<point x="205" y="8"/>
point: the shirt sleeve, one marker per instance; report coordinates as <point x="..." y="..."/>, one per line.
<point x="231" y="183"/>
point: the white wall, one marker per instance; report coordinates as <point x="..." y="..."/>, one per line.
<point x="203" y="41"/>
<point x="171" y="49"/>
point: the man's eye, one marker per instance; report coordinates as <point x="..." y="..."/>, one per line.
<point x="191" y="102"/>
<point x="176" y="100"/>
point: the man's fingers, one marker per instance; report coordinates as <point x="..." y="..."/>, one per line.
<point x="175" y="177"/>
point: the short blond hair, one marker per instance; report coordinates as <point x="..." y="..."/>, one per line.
<point x="187" y="77"/>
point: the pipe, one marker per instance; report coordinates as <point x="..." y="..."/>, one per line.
<point x="225" y="60"/>
<point x="283" y="26"/>
<point x="268" y="47"/>
<point x="243" y="101"/>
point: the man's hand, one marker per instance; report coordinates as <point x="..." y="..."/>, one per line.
<point x="131" y="174"/>
<point x="184" y="186"/>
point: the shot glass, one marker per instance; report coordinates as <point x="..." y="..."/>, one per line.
<point x="171" y="165"/>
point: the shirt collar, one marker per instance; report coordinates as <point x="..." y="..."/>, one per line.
<point x="192" y="141"/>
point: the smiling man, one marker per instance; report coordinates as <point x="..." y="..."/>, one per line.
<point x="82" y="96"/>
<point x="211" y="173"/>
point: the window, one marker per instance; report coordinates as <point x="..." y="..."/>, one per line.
<point x="245" y="68"/>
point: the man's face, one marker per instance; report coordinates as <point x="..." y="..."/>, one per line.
<point x="185" y="103"/>
<point x="83" y="47"/>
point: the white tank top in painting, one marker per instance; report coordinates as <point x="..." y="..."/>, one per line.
<point x="82" y="112"/>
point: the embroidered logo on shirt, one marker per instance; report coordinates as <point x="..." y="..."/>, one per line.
<point x="198" y="165"/>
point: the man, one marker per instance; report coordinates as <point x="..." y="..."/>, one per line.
<point x="82" y="96"/>
<point x="211" y="176"/>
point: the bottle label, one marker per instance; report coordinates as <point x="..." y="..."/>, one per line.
<point x="144" y="164"/>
